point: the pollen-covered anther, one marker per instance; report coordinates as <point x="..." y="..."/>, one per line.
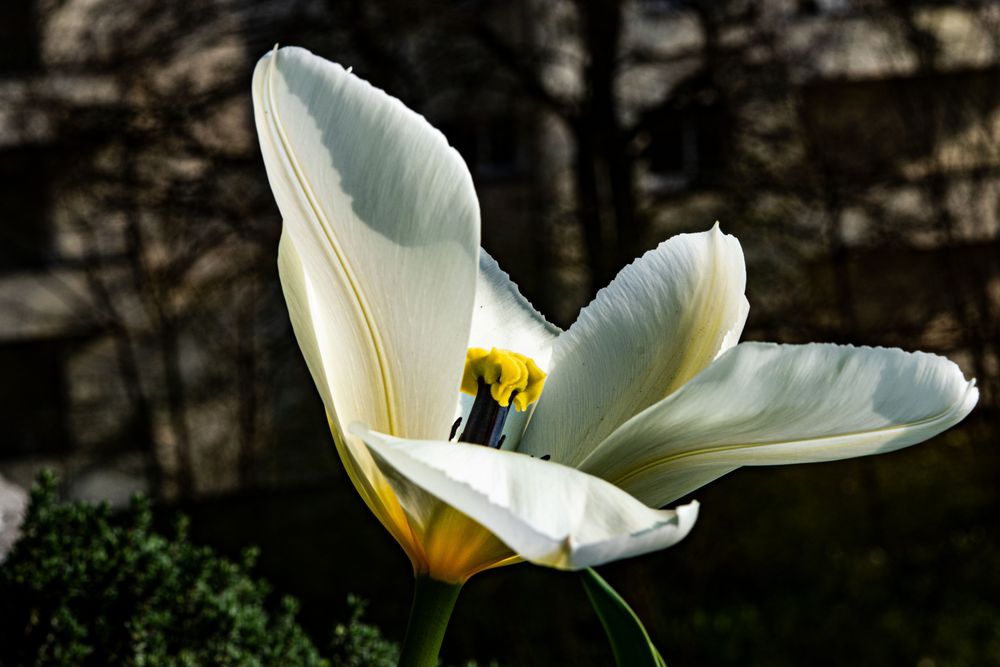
<point x="512" y="377"/>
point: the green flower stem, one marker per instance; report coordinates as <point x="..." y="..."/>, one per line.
<point x="433" y="601"/>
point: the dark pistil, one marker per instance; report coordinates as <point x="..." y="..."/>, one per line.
<point x="485" y="423"/>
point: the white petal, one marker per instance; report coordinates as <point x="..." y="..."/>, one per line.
<point x="662" y="320"/>
<point x="765" y="404"/>
<point x="385" y="222"/>
<point x="546" y="512"/>
<point x="302" y="299"/>
<point x="732" y="336"/>
<point x="505" y="319"/>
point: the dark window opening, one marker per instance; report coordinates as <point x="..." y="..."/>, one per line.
<point x="863" y="131"/>
<point x="489" y="146"/>
<point x="501" y="146"/>
<point x="25" y="230"/>
<point x="689" y="142"/>
<point x="33" y="397"/>
<point x="666" y="148"/>
<point x="19" y="37"/>
<point x="662" y="6"/>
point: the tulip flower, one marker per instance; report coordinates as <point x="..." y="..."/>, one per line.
<point x="481" y="435"/>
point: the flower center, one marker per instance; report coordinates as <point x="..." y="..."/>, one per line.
<point x="498" y="379"/>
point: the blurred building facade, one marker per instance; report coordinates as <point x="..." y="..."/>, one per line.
<point x="853" y="147"/>
<point x="130" y="280"/>
<point x="142" y="332"/>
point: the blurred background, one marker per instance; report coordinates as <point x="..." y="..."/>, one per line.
<point x="852" y="145"/>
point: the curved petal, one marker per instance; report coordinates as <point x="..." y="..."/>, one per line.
<point x="732" y="336"/>
<point x="453" y="546"/>
<point x="505" y="319"/>
<point x="302" y="300"/>
<point x="385" y="221"/>
<point x="662" y="320"/>
<point x="766" y="404"/>
<point x="548" y="513"/>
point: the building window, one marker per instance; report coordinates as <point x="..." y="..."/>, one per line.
<point x="19" y="36"/>
<point x="33" y="397"/>
<point x="687" y="141"/>
<point x="26" y="232"/>
<point x="863" y="131"/>
<point x="662" y="6"/>
<point x="489" y="146"/>
<point x="847" y="7"/>
<point x="825" y="6"/>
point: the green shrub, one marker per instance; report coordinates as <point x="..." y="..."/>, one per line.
<point x="83" y="587"/>
<point x="358" y="644"/>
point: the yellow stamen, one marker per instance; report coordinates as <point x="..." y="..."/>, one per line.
<point x="512" y="377"/>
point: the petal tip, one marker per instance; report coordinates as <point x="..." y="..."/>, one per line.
<point x="971" y="398"/>
<point x="687" y="515"/>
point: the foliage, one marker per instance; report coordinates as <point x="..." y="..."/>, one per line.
<point x="85" y="588"/>
<point x="358" y="644"/>
<point x="630" y="642"/>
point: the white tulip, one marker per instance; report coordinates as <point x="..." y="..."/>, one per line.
<point x="648" y="396"/>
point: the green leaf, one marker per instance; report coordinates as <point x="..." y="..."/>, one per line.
<point x="629" y="640"/>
